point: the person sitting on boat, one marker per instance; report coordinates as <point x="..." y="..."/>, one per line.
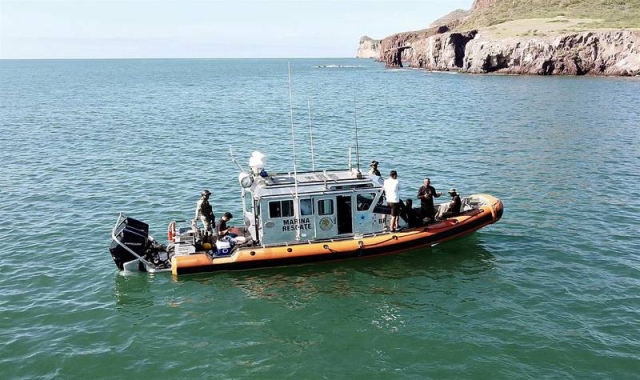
<point x="454" y="206"/>
<point x="426" y="193"/>
<point x="392" y="191"/>
<point x="373" y="169"/>
<point x="223" y="230"/>
<point x="410" y="216"/>
<point x="204" y="212"/>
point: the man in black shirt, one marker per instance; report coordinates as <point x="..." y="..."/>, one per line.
<point x="426" y="193"/>
<point x="221" y="227"/>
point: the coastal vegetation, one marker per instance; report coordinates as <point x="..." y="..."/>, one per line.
<point x="598" y="14"/>
<point x="531" y="37"/>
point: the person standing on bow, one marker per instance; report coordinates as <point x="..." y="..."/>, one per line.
<point x="426" y="193"/>
<point x="392" y="191"/>
<point x="204" y="211"/>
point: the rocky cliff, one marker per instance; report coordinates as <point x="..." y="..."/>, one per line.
<point x="531" y="46"/>
<point x="585" y="53"/>
<point x="368" y="48"/>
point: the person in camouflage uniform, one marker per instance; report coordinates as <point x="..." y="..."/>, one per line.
<point x="204" y="211"/>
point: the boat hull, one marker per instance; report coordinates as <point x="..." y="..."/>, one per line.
<point x="340" y="249"/>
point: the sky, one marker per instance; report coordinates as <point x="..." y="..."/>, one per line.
<point x="205" y="29"/>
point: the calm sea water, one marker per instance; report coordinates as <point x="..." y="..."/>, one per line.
<point x="551" y="291"/>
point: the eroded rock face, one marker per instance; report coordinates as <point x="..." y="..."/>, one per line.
<point x="441" y="52"/>
<point x="587" y="53"/>
<point x="615" y="53"/>
<point x="399" y="48"/>
<point x="368" y="48"/>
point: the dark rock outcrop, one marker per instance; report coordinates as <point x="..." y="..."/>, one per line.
<point x="405" y="47"/>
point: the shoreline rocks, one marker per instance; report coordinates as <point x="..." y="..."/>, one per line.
<point x="610" y="53"/>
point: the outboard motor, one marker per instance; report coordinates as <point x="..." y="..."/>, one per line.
<point x="132" y="233"/>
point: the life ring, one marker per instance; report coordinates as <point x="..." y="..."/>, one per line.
<point x="171" y="232"/>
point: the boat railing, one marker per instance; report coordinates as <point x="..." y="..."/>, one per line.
<point x="121" y="217"/>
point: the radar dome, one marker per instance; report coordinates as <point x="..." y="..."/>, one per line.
<point x="257" y="162"/>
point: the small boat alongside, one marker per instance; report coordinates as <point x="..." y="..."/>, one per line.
<point x="291" y="219"/>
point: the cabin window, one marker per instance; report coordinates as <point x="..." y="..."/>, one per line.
<point x="306" y="207"/>
<point x="248" y="201"/>
<point x="365" y="201"/>
<point x="280" y="209"/>
<point x="325" y="207"/>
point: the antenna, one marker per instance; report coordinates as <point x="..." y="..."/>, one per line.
<point x="233" y="159"/>
<point x="355" y="121"/>
<point x="296" y="208"/>
<point x="313" y="164"/>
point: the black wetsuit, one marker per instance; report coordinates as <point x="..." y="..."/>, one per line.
<point x="410" y="216"/>
<point x="426" y="194"/>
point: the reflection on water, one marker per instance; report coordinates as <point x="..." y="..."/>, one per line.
<point x="562" y="153"/>
<point x="386" y="279"/>
<point x="132" y="291"/>
<point x="463" y="257"/>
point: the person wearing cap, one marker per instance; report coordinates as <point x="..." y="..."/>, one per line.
<point x="426" y="193"/>
<point x="392" y="191"/>
<point x="374" y="168"/>
<point x="454" y="206"/>
<point x="204" y="211"/>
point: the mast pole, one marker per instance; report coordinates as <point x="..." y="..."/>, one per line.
<point x="296" y="208"/>
<point x="313" y="164"/>
<point x="355" y="121"/>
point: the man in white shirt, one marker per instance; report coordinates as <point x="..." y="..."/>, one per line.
<point x="392" y="190"/>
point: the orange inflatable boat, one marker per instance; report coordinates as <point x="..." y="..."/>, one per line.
<point x="299" y="218"/>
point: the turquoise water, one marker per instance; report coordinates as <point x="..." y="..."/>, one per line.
<point x="551" y="291"/>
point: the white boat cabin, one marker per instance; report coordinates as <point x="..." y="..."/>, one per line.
<point x="310" y="206"/>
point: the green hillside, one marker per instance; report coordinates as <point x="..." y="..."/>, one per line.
<point x="609" y="14"/>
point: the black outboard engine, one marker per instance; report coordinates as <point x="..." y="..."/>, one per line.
<point x="134" y="234"/>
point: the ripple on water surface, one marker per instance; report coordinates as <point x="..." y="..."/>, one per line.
<point x="548" y="292"/>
